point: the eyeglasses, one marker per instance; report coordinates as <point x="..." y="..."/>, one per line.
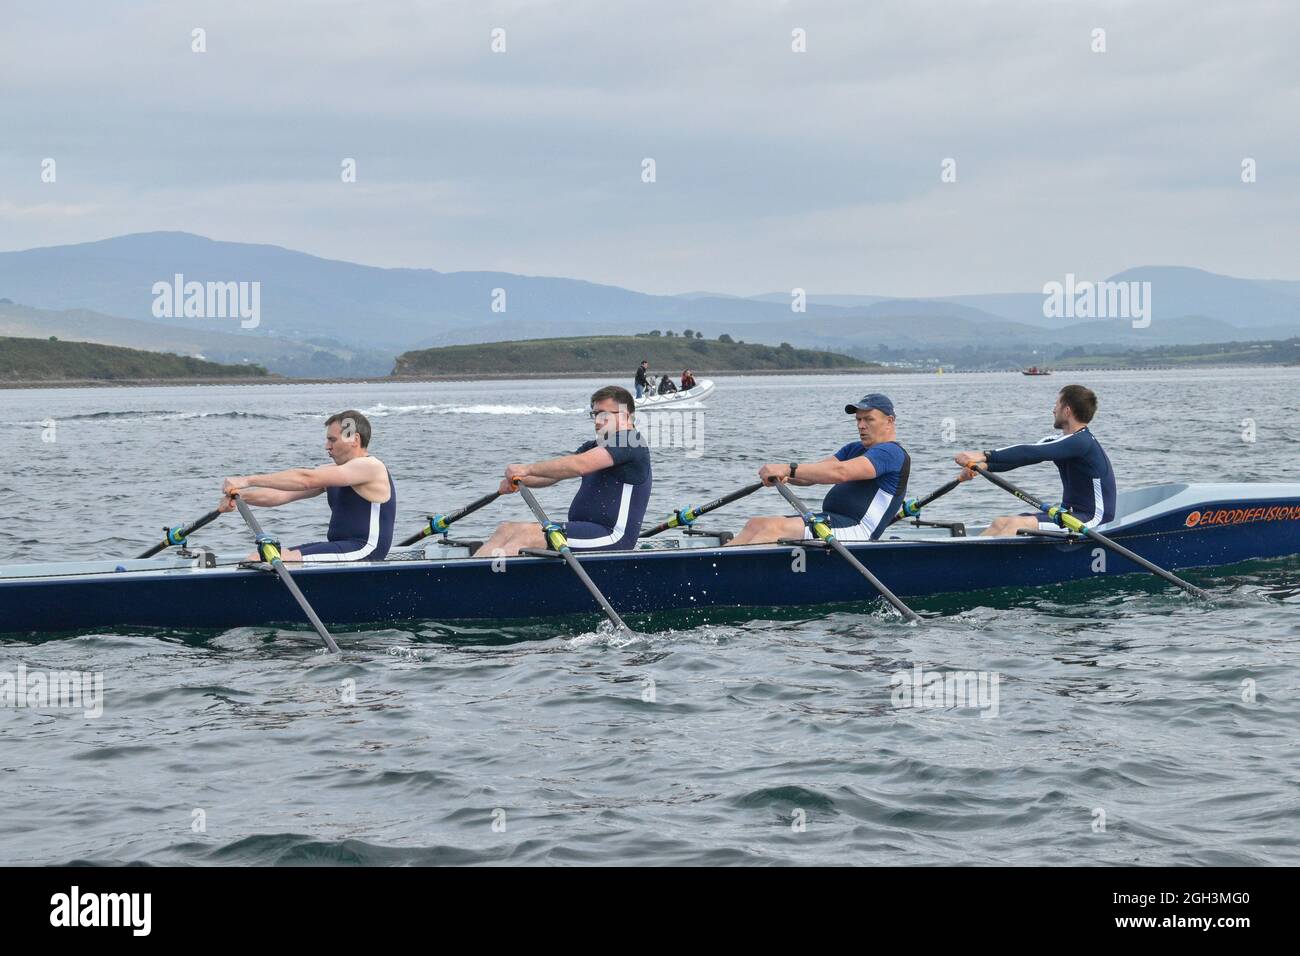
<point x="601" y="415"/>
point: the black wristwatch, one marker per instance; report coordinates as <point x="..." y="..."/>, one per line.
<point x="794" y="466"/>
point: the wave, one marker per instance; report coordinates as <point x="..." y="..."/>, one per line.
<point x="382" y="410"/>
<point x="160" y="415"/>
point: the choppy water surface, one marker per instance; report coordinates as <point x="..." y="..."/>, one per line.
<point x="762" y="741"/>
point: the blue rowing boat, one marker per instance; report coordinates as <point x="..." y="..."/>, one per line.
<point x="1177" y="526"/>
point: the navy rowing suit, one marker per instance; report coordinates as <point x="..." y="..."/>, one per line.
<point x="360" y="530"/>
<point x="606" y="513"/>
<point x="862" y="510"/>
<point x="1087" y="480"/>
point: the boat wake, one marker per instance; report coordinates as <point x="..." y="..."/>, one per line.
<point x="381" y="410"/>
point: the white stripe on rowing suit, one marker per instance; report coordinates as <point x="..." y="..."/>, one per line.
<point x="372" y="542"/>
<point x="875" y="513"/>
<point x="1098" y="505"/>
<point x="853" y="532"/>
<point x="620" y="526"/>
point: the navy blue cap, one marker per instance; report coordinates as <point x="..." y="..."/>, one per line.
<point x="873" y="400"/>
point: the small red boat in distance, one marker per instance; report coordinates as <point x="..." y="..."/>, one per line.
<point x="1035" y="370"/>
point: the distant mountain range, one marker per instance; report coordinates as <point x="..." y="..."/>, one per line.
<point x="326" y="317"/>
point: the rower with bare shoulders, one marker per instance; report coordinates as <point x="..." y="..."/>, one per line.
<point x="361" y="493"/>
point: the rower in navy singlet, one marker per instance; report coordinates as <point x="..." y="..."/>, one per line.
<point x="1087" y="479"/>
<point x="361" y="494"/>
<point x="360" y="530"/>
<point x="606" y="512"/>
<point x="868" y="479"/>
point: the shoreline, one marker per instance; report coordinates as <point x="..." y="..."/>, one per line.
<point x="615" y="376"/>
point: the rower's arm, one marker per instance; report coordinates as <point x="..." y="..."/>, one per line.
<point x="271" y="498"/>
<point x="358" y="471"/>
<point x="831" y="471"/>
<point x="1049" y="449"/>
<point x="572" y="466"/>
<point x="541" y="474"/>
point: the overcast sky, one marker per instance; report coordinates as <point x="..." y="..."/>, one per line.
<point x="775" y="169"/>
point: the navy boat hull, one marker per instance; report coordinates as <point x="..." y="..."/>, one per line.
<point x="1185" y="529"/>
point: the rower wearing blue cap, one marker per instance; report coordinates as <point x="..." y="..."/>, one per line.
<point x="869" y="479"/>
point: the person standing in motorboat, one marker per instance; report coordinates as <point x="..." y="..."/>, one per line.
<point x="642" y="383"/>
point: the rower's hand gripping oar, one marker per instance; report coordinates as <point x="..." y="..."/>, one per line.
<point x="438" y="524"/>
<point x="912" y="506"/>
<point x="176" y="536"/>
<point x="1067" y="520"/>
<point x="823" y="531"/>
<point x="269" y="549"/>
<point x="684" y="517"/>
<point x="560" y="543"/>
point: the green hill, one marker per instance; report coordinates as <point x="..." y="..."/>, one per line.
<point x="1278" y="352"/>
<point x="50" y="360"/>
<point x="618" y="353"/>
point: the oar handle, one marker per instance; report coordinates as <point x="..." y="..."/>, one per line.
<point x="177" y="536"/>
<point x="439" y="523"/>
<point x="687" y="516"/>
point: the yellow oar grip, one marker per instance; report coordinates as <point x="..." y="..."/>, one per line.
<point x="1067" y="519"/>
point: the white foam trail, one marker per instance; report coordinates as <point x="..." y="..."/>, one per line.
<point x="382" y="410"/>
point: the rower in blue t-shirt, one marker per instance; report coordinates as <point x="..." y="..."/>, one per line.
<point x="1087" y="479"/>
<point x="606" y="512"/>
<point x="869" y="478"/>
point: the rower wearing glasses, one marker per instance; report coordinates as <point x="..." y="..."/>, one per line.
<point x="869" y="479"/>
<point x="606" y="512"/>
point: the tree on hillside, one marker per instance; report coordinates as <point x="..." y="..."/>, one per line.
<point x="726" y="339"/>
<point x="699" y="335"/>
<point x="653" y="332"/>
<point x="689" y="333"/>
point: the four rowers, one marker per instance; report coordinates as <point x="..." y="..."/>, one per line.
<point x="868" y="480"/>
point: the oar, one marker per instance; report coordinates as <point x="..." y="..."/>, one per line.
<point x="269" y="549"/>
<point x="822" y="531"/>
<point x="177" y="536"/>
<point x="686" y="516"/>
<point x="912" y="506"/>
<point x="561" y="544"/>
<point x="440" y="523"/>
<point x="1074" y="524"/>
